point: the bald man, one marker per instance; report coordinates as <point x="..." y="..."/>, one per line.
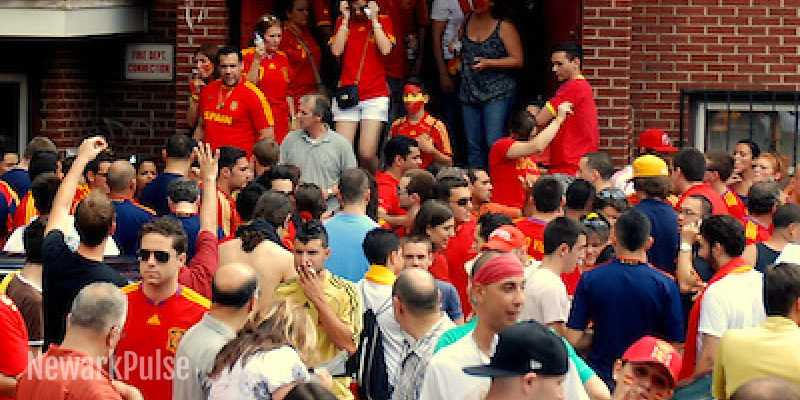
<point x="130" y="216"/>
<point x="234" y="293"/>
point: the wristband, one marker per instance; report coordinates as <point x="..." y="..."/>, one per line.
<point x="685" y="246"/>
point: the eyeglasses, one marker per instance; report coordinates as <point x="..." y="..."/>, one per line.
<point x="614" y="194"/>
<point x="161" y="256"/>
<point x="464" y="202"/>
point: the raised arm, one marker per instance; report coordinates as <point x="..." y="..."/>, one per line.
<point x="208" y="161"/>
<point x="339" y="38"/>
<point x="381" y="38"/>
<point x="538" y="143"/>
<point x="59" y="214"/>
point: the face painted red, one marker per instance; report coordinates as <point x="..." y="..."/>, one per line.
<point x="413" y="98"/>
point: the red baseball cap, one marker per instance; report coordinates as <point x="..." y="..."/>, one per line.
<point x="505" y="238"/>
<point x="657" y="140"/>
<point x="653" y="350"/>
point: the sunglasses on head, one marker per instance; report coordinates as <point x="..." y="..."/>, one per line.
<point x="594" y="220"/>
<point x="614" y="194"/>
<point x="161" y="256"/>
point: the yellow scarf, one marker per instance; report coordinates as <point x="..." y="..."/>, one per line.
<point x="380" y="274"/>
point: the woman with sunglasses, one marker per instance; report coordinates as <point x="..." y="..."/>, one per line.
<point x="204" y="71"/>
<point x="302" y="50"/>
<point x="435" y="220"/>
<point x="611" y="203"/>
<point x="268" y="68"/>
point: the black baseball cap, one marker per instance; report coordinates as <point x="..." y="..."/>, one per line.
<point x="526" y="347"/>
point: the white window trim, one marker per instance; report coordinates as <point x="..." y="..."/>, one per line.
<point x="22" y="80"/>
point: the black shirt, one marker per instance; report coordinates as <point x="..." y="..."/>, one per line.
<point x="64" y="274"/>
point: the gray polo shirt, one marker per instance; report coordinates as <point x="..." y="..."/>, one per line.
<point x="195" y="356"/>
<point x="322" y="161"/>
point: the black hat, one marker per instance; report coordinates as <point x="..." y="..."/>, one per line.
<point x="526" y="347"/>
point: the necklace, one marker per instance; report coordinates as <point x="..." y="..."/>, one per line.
<point x="222" y="100"/>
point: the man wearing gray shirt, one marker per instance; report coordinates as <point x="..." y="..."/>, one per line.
<point x="233" y="296"/>
<point x="315" y="148"/>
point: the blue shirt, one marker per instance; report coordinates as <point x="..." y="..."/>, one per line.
<point x="626" y="300"/>
<point x="19" y="180"/>
<point x="451" y="304"/>
<point x="130" y="217"/>
<point x="664" y="230"/>
<point x="346" y="234"/>
<point x="154" y="194"/>
<point x="191" y="225"/>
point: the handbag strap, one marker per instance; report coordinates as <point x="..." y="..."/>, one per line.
<point x="307" y="50"/>
<point x="363" y="57"/>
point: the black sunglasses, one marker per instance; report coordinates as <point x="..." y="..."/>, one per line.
<point x="161" y="256"/>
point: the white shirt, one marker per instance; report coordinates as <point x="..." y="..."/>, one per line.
<point x="15" y="243"/>
<point x="546" y="297"/>
<point x="446" y="380"/>
<point x="450" y="12"/>
<point x="374" y="296"/>
<point x="264" y="373"/>
<point x="733" y="302"/>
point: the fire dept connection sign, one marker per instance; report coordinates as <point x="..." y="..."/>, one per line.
<point x="149" y="62"/>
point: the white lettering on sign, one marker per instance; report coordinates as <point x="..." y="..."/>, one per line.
<point x="150" y="62"/>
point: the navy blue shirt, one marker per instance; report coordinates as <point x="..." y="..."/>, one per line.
<point x="626" y="300"/>
<point x="154" y="194"/>
<point x="191" y="225"/>
<point x="664" y="230"/>
<point x="19" y="180"/>
<point x="130" y="218"/>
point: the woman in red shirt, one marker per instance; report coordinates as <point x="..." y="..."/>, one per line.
<point x="205" y="58"/>
<point x="268" y="68"/>
<point x="435" y="220"/>
<point x="303" y="52"/>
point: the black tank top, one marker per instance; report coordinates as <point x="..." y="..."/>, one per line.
<point x="764" y="256"/>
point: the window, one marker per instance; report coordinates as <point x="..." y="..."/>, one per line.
<point x="14" y="111"/>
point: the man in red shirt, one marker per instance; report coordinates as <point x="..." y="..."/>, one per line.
<point x="719" y="167"/>
<point x="688" y="171"/>
<point x="234" y="174"/>
<point x="234" y="112"/>
<point x="763" y="199"/>
<point x="401" y="154"/>
<point x="578" y="135"/>
<point x="77" y="366"/>
<point x="434" y="143"/>
<point x="547" y="196"/>
<point x="13" y="346"/>
<point x="456" y="194"/>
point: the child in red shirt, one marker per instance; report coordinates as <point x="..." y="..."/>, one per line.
<point x="430" y="133"/>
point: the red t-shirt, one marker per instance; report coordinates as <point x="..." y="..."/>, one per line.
<point x="579" y="133"/>
<point x="152" y="332"/>
<point x="427" y="125"/>
<point x="200" y="271"/>
<point x="373" y="76"/>
<point x="233" y="117"/>
<point x="735" y="204"/>
<point x="406" y="16"/>
<point x="273" y="80"/>
<point x="387" y="193"/>
<point x="227" y="216"/>
<point x="534" y="236"/>
<point x="718" y="205"/>
<point x="13" y="339"/>
<point x="301" y="74"/>
<point x="754" y="232"/>
<point x="439" y="268"/>
<point x="505" y="174"/>
<point x="458" y="251"/>
<point x="65" y="372"/>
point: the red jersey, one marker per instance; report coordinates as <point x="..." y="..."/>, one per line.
<point x="579" y="133"/>
<point x="152" y="332"/>
<point x="718" y="205"/>
<point x="233" y="116"/>
<point x="373" y="76"/>
<point x="534" y="236"/>
<point x="735" y="204"/>
<point x="406" y="16"/>
<point x="427" y="126"/>
<point x="301" y="73"/>
<point x="13" y="339"/>
<point x="65" y="374"/>
<point x="25" y="211"/>
<point x="322" y="12"/>
<point x="273" y="80"/>
<point x="754" y="232"/>
<point x="227" y="217"/>
<point x="439" y="268"/>
<point x="387" y="197"/>
<point x="458" y="252"/>
<point x="506" y="173"/>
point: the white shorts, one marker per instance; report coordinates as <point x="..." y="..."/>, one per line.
<point x="376" y="109"/>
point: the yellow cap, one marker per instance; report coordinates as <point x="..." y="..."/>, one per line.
<point x="648" y="166"/>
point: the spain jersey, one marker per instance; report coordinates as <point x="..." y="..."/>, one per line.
<point x="233" y="116"/>
<point x="735" y="205"/>
<point x="273" y="81"/>
<point x="361" y="44"/>
<point x="145" y="355"/>
<point x="534" y="236"/>
<point x="754" y="232"/>
<point x="427" y="126"/>
<point x="8" y="205"/>
<point x="227" y="217"/>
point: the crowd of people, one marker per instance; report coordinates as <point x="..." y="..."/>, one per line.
<point x="279" y="258"/>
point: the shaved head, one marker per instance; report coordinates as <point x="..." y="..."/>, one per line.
<point x="234" y="285"/>
<point x="120" y="175"/>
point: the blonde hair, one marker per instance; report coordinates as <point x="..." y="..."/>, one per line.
<point x="283" y="323"/>
<point x="780" y="164"/>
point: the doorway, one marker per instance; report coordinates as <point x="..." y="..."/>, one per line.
<point x="13" y="111"/>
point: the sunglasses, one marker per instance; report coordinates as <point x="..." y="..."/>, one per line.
<point x="464" y="202"/>
<point x="161" y="256"/>
<point x="614" y="194"/>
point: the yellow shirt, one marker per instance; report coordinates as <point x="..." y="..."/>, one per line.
<point x="345" y="300"/>
<point x="768" y="349"/>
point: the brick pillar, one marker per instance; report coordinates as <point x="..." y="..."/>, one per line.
<point x="607" y="38"/>
<point x="68" y="101"/>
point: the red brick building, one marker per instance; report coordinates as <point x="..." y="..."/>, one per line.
<point x="731" y="66"/>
